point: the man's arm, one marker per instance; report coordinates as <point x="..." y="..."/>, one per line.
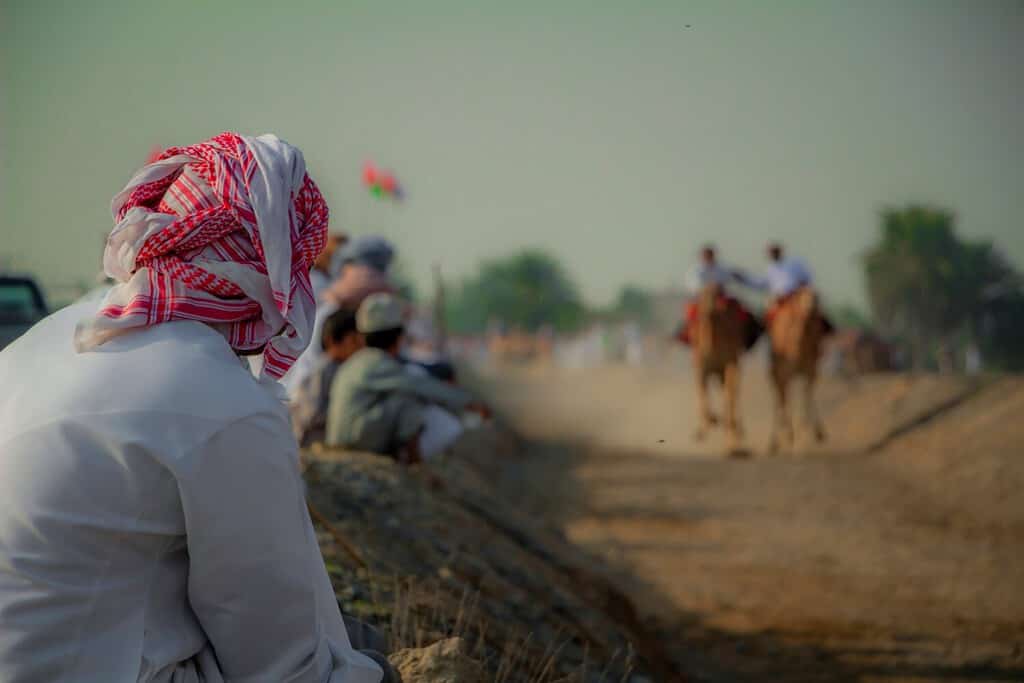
<point x="758" y="282"/>
<point x="257" y="581"/>
<point x="424" y="387"/>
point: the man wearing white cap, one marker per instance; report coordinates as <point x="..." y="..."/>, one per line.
<point x="377" y="405"/>
<point x="362" y="264"/>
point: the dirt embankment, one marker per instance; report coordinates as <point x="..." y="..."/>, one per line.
<point x="892" y="553"/>
<point x="432" y="555"/>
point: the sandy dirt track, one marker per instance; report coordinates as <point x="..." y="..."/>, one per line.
<point x="893" y="553"/>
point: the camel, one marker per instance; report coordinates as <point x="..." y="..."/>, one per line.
<point x="797" y="334"/>
<point x="717" y="346"/>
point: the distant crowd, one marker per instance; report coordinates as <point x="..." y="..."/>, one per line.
<point x="373" y="378"/>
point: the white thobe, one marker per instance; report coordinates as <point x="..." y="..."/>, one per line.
<point x="782" y="278"/>
<point x="704" y="274"/>
<point x="152" y="519"/>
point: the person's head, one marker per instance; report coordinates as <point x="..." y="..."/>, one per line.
<point x="340" y="338"/>
<point x="368" y="250"/>
<point x="381" y="320"/>
<point x="774" y="251"/>
<point x="707" y="255"/>
<point x="335" y="240"/>
<point x="239" y="201"/>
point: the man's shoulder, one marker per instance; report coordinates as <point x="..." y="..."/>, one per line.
<point x="797" y="266"/>
<point x="177" y="384"/>
<point x="178" y="367"/>
<point x="365" y="358"/>
<point x="361" y="365"/>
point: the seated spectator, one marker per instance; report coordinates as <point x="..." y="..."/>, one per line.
<point x="377" y="405"/>
<point x="339" y="340"/>
<point x="441" y="368"/>
<point x="323" y="271"/>
<point x="362" y="264"/>
<point x="364" y="271"/>
<point x="421" y="351"/>
<point x="153" y="525"/>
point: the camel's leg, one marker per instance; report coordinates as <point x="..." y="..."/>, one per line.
<point x="811" y="409"/>
<point x="782" y="425"/>
<point x="788" y="433"/>
<point x="704" y="417"/>
<point x="773" y="445"/>
<point x="731" y="384"/>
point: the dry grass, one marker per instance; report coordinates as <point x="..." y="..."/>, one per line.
<point x="420" y="613"/>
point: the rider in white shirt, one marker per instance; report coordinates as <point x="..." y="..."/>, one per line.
<point x="710" y="271"/>
<point x="707" y="271"/>
<point x="784" y="275"/>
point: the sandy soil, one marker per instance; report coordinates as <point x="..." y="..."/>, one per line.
<point x="895" y="552"/>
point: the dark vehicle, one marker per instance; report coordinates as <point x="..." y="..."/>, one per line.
<point x="21" y="306"/>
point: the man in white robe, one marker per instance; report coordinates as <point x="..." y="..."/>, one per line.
<point x="153" y="525"/>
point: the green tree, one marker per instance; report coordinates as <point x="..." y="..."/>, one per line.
<point x="930" y="288"/>
<point x="528" y="289"/>
<point x="1001" y="332"/>
<point x="848" y="315"/>
<point x="634" y="303"/>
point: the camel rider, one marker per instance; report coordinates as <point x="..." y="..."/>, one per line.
<point x="708" y="272"/>
<point x="784" y="276"/>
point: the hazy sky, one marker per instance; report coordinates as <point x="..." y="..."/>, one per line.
<point x="609" y="132"/>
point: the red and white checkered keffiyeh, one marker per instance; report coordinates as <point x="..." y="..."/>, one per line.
<point x="223" y="232"/>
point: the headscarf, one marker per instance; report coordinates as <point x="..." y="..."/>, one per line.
<point x="222" y="232"/>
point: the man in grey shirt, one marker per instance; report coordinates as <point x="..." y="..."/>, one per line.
<point x="376" y="404"/>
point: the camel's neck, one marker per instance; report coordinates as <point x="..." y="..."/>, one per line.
<point x="795" y="330"/>
<point x="715" y="334"/>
